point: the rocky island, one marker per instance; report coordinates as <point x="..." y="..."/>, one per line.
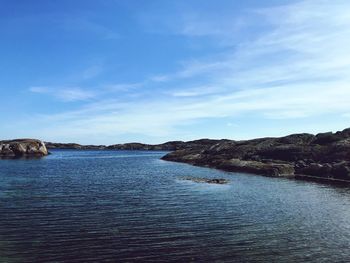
<point x="323" y="157"/>
<point x="22" y="148"/>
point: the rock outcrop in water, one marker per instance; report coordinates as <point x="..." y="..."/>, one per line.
<point x="206" y="180"/>
<point x="22" y="148"/>
<point x="325" y="156"/>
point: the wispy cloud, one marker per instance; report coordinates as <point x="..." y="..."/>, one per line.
<point x="160" y="78"/>
<point x="196" y="91"/>
<point x="122" y="87"/>
<point x="298" y="68"/>
<point x="71" y="94"/>
<point x="67" y="94"/>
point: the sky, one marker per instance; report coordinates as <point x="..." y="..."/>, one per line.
<point x="116" y="71"/>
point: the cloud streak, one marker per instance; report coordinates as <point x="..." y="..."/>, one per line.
<point x="66" y="94"/>
<point x="297" y="69"/>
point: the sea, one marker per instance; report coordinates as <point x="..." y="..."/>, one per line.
<point x="131" y="206"/>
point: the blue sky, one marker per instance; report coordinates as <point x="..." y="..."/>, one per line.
<point x="115" y="71"/>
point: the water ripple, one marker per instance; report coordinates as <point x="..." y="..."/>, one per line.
<point x="98" y="206"/>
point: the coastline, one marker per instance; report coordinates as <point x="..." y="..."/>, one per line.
<point x="324" y="157"/>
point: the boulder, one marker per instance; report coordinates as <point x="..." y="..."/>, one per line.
<point x="22" y="148"/>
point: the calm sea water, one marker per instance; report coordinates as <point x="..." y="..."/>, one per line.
<point x="108" y="206"/>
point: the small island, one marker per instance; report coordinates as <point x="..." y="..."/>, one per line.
<point x="22" y="148"/>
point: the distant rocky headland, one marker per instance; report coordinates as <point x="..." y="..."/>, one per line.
<point x="168" y="146"/>
<point x="22" y="148"/>
<point x="322" y="157"/>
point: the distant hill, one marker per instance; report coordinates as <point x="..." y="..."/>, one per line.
<point x="168" y="146"/>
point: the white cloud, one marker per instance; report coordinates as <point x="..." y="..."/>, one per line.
<point x="162" y="118"/>
<point x="308" y="42"/>
<point x="122" y="87"/>
<point x="66" y="94"/>
<point x="159" y="78"/>
<point x="70" y="94"/>
<point x="299" y="68"/>
<point x="195" y="91"/>
<point x="40" y="89"/>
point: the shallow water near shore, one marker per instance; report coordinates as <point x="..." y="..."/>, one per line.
<point x="108" y="206"/>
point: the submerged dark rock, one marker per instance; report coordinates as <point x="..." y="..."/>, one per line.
<point x="325" y="155"/>
<point x="206" y="180"/>
<point x="22" y="148"/>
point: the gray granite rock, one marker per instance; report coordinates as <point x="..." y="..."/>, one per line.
<point x="22" y="148"/>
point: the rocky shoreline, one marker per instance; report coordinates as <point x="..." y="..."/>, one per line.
<point x="323" y="157"/>
<point x="36" y="148"/>
<point x="22" y="148"/>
